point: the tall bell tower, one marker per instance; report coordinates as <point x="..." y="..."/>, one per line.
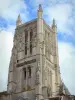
<point x="34" y="65"/>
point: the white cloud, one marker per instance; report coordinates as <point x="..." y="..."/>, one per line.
<point x="6" y="42"/>
<point x="67" y="64"/>
<point x="61" y="10"/>
<point x="61" y="13"/>
<point x="11" y="8"/>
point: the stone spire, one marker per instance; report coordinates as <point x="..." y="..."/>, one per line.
<point x="40" y="11"/>
<point x="54" y="25"/>
<point x="40" y="8"/>
<point x="53" y="21"/>
<point x="18" y="22"/>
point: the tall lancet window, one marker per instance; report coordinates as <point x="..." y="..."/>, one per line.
<point x="30" y="48"/>
<point x="26" y="41"/>
<point x="24" y="73"/>
<point x="31" y="35"/>
<point x="29" y="71"/>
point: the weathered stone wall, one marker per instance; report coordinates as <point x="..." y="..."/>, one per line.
<point x="5" y="96"/>
<point x="16" y="82"/>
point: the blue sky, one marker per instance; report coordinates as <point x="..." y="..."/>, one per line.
<point x="64" y="13"/>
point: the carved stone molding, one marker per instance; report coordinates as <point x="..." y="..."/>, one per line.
<point x="38" y="73"/>
<point x="26" y="62"/>
<point x="37" y="77"/>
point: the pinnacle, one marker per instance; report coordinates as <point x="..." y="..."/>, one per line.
<point x="19" y="18"/>
<point x="40" y="7"/>
<point x="53" y="21"/>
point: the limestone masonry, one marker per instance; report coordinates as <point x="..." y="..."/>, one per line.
<point x="34" y="72"/>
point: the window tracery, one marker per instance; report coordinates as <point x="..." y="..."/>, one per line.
<point x="26" y="40"/>
<point x="31" y="38"/>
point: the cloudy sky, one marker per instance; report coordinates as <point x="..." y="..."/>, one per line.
<point x="64" y="13"/>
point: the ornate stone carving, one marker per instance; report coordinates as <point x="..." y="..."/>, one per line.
<point x="34" y="42"/>
<point x="26" y="62"/>
<point x="38" y="73"/>
<point x="49" y="91"/>
<point x="38" y="66"/>
<point x="37" y="77"/>
<point x="20" y="37"/>
<point x="21" y="47"/>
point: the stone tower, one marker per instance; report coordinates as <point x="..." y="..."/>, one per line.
<point x="34" y="66"/>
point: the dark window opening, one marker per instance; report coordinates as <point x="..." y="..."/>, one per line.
<point x="24" y="73"/>
<point x="29" y="70"/>
<point x="26" y="39"/>
<point x="25" y="49"/>
<point x="17" y="61"/>
<point x="30" y="48"/>
<point x="26" y="36"/>
<point x="31" y="34"/>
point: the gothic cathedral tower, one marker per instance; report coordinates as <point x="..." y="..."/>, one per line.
<point x="34" y="68"/>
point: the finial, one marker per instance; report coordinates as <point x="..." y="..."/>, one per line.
<point x="53" y="21"/>
<point x="54" y="26"/>
<point x="19" y="18"/>
<point x="18" y="22"/>
<point x="40" y="7"/>
<point x="40" y="11"/>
